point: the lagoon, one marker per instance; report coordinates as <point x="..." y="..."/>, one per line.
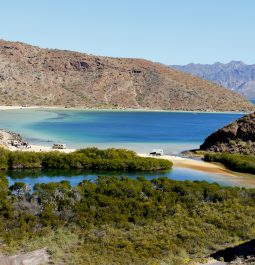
<point x="140" y="131"/>
<point x="31" y="177"/>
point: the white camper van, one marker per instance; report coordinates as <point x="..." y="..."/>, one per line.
<point x="59" y="146"/>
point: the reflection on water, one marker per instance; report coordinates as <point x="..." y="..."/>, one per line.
<point x="31" y="177"/>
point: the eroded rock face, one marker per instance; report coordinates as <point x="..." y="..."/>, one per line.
<point x="30" y="75"/>
<point x="237" y="137"/>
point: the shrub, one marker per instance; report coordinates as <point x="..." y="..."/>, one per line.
<point x="89" y="158"/>
<point x="236" y="162"/>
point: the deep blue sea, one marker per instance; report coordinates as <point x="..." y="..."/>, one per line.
<point x="137" y="130"/>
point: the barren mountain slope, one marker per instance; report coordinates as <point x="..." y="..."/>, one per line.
<point x="33" y="76"/>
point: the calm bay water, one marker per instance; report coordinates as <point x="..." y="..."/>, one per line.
<point x="136" y="130"/>
<point x="140" y="131"/>
<point x="31" y="177"/>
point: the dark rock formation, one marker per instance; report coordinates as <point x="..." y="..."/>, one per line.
<point x="237" y="137"/>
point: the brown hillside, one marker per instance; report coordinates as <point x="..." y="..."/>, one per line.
<point x="33" y="76"/>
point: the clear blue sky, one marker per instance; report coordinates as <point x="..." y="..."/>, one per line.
<point x="167" y="31"/>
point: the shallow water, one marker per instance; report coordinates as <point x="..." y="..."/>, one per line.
<point x="136" y="130"/>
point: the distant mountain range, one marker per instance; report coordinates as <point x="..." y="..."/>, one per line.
<point x="31" y="75"/>
<point x="234" y="75"/>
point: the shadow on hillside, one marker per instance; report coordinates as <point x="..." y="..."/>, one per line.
<point x="244" y="250"/>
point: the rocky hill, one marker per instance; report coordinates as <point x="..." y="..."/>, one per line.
<point x="235" y="75"/>
<point x="237" y="137"/>
<point x="33" y="76"/>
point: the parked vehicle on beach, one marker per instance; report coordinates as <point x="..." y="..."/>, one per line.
<point x="157" y="152"/>
<point x="59" y="146"/>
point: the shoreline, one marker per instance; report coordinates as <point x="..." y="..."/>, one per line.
<point x="3" y="108"/>
<point x="221" y="173"/>
<point x="7" y="137"/>
<point x="200" y="165"/>
<point x="42" y="148"/>
<point x="14" y="142"/>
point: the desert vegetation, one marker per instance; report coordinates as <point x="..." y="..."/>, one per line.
<point x="236" y="162"/>
<point x="117" y="220"/>
<point x="88" y="158"/>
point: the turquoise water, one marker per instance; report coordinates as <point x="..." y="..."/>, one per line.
<point x="136" y="130"/>
<point x="139" y="131"/>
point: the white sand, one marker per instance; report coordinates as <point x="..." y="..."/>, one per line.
<point x="5" y="137"/>
<point x="40" y="148"/>
<point x="116" y="109"/>
<point x="16" y="107"/>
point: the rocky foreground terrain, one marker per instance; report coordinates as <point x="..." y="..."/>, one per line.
<point x="234" y="75"/>
<point x="37" y="257"/>
<point x="237" y="137"/>
<point x="33" y="76"/>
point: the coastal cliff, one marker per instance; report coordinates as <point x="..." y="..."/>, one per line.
<point x="31" y="75"/>
<point x="237" y="137"/>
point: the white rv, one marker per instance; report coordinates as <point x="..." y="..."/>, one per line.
<point x="59" y="146"/>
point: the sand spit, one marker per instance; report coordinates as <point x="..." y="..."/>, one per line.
<point x="221" y="173"/>
<point x="195" y="164"/>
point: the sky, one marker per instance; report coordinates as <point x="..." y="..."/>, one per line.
<point x="166" y="31"/>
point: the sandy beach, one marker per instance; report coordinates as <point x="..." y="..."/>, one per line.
<point x="41" y="148"/>
<point x="200" y="165"/>
<point x="6" y="137"/>
<point x="115" y="109"/>
<point x="17" y="107"/>
<point x="222" y="173"/>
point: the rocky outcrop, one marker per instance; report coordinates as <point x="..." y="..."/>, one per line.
<point x="237" y="137"/>
<point x="30" y="75"/>
<point x="234" y="75"/>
